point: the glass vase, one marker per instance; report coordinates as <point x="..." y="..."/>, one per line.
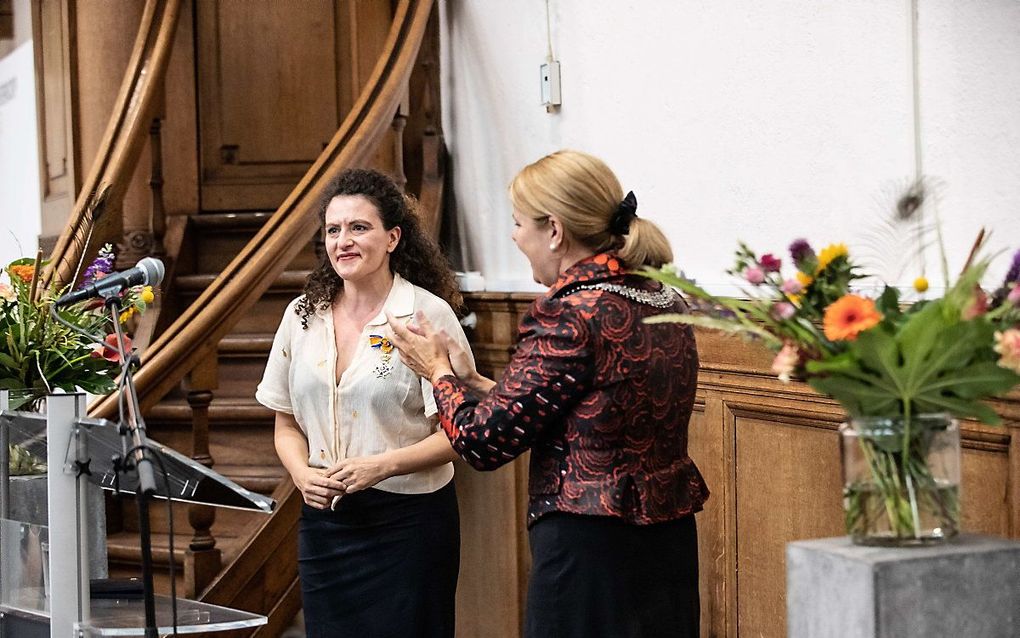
<point x="901" y="479"/>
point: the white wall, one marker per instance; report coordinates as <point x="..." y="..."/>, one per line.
<point x="20" y="208"/>
<point x="761" y="121"/>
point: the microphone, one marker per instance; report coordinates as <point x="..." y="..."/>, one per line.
<point x="148" y="271"/>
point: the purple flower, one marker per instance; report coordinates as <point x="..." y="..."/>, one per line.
<point x="1013" y="275"/>
<point x="800" y="250"/>
<point x="101" y="266"/>
<point x="754" y="275"/>
<point x="769" y="263"/>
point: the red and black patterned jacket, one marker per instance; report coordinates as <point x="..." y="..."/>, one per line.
<point x="601" y="398"/>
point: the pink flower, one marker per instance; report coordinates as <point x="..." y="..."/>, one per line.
<point x="977" y="306"/>
<point x="792" y="287"/>
<point x="109" y="351"/>
<point x="769" y="263"/>
<point x="783" y="310"/>
<point x="6" y="292"/>
<point x="1014" y="295"/>
<point x="785" y="362"/>
<point x="754" y="275"/>
<point x="1007" y="344"/>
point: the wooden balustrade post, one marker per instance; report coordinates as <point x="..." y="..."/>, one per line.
<point x="399" y="123"/>
<point x="203" y="559"/>
<point x="157" y="211"/>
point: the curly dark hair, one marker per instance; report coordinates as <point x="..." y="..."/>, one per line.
<point x="416" y="258"/>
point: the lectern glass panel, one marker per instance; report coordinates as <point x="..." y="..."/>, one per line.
<point x="24" y="568"/>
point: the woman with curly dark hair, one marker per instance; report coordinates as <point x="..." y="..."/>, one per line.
<point x="379" y="538"/>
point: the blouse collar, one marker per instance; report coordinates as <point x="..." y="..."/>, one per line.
<point x="399" y="302"/>
<point x="595" y="268"/>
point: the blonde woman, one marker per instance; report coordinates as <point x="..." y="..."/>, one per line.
<point x="601" y="398"/>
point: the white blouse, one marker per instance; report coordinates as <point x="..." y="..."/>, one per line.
<point x="379" y="403"/>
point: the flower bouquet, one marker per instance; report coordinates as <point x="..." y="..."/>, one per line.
<point x="40" y="354"/>
<point x="901" y="371"/>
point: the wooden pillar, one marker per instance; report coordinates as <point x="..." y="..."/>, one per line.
<point x="203" y="559"/>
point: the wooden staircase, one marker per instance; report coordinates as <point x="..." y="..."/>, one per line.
<point x="240" y="430"/>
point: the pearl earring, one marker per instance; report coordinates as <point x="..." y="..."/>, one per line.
<point x="552" y="247"/>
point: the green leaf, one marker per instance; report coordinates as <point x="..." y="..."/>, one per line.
<point x="877" y="350"/>
<point x="889" y="302"/>
<point x="963" y="408"/>
<point x="859" y="398"/>
<point x="979" y="380"/>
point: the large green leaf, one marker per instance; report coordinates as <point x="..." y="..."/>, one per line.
<point x="877" y="350"/>
<point x="963" y="408"/>
<point x="975" y="381"/>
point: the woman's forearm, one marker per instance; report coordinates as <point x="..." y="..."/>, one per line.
<point x="291" y="444"/>
<point x="480" y="384"/>
<point x="432" y="451"/>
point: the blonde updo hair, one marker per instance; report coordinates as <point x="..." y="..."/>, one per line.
<point x="581" y="191"/>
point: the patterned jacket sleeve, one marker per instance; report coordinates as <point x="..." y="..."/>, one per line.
<point x="548" y="374"/>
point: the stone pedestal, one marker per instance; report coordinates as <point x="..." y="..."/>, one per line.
<point x="969" y="587"/>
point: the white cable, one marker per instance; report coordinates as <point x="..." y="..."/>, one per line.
<point x="548" y="34"/>
<point x="916" y="69"/>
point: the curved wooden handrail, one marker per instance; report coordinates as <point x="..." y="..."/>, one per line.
<point x="125" y="137"/>
<point x="197" y="331"/>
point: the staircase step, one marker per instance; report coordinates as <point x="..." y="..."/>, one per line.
<point x="245" y="345"/>
<point x="221" y="236"/>
<point x="222" y="410"/>
<point x="289" y="280"/>
<point x="248" y="221"/>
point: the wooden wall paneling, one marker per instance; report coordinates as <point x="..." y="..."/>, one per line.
<point x="268" y="97"/>
<point x="180" y="123"/>
<point x="788" y="487"/>
<point x="54" y="35"/>
<point x="710" y="445"/>
<point x="1013" y="482"/>
<point x="104" y="40"/>
<point x="984" y="490"/>
<point x="488" y="590"/>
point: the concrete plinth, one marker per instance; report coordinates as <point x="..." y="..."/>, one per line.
<point x="969" y="587"/>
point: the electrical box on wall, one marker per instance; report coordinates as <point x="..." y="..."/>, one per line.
<point x="550" y="76"/>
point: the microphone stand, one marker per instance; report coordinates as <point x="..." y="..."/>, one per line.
<point x="134" y="443"/>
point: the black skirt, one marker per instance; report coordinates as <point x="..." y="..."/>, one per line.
<point x="381" y="565"/>
<point x="594" y="576"/>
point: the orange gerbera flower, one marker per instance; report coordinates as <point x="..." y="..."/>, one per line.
<point x="23" y="272"/>
<point x="848" y="316"/>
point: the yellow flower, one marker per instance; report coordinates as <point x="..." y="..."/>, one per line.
<point x="848" y="316"/>
<point x="804" y="279"/>
<point x="147" y="295"/>
<point x="127" y="314"/>
<point x="921" y="284"/>
<point x="829" y="253"/>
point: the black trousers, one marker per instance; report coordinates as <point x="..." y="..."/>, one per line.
<point x="594" y="576"/>
<point x="382" y="565"/>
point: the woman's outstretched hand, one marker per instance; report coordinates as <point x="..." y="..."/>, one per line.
<point x="423" y="349"/>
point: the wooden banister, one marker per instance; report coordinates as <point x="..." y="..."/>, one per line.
<point x="195" y="333"/>
<point x="126" y="133"/>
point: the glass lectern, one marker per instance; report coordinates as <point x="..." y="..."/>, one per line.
<point x="44" y="569"/>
